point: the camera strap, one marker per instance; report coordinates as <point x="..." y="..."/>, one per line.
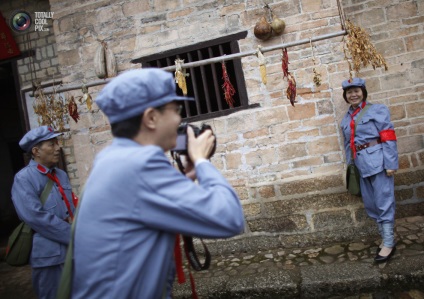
<point x="192" y="255"/>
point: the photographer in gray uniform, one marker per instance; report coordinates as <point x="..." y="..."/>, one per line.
<point x="135" y="202"/>
<point x="51" y="221"/>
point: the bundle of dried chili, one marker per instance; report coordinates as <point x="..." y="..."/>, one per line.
<point x="285" y="63"/>
<point x="228" y="88"/>
<point x="291" y="89"/>
<point x="73" y="109"/>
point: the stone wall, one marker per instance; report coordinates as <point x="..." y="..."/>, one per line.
<point x="286" y="163"/>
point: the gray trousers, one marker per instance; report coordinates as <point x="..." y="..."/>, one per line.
<point x="45" y="281"/>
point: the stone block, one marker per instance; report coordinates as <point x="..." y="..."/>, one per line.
<point x="415" y="42"/>
<point x="252" y="210"/>
<point x="410" y="144"/>
<point x="135" y="8"/>
<point x="332" y="220"/>
<point x="408" y="210"/>
<point x="401" y="10"/>
<point x="323" y="145"/>
<point x="292" y="150"/>
<point x="339" y="279"/>
<point x="311" y="185"/>
<point x="292" y="223"/>
<point x="266" y="191"/>
<point x="233" y="160"/>
<point x="415" y="109"/>
<point x="315" y="203"/>
<point x="301" y="111"/>
<point x="403" y="194"/>
<point x="409" y="178"/>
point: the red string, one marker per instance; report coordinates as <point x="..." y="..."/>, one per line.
<point x="179" y="260"/>
<point x="55" y="179"/>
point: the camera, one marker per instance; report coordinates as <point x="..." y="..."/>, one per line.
<point x="182" y="139"/>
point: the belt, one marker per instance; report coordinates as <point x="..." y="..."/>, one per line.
<point x="368" y="144"/>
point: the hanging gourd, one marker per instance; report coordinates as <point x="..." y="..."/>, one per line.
<point x="277" y="25"/>
<point x="263" y="29"/>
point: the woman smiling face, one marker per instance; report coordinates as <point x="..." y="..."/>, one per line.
<point x="354" y="96"/>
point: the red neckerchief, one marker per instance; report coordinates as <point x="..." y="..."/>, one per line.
<point x="55" y="179"/>
<point x="352" y="128"/>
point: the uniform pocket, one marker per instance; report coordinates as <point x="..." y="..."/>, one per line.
<point x="375" y="155"/>
<point x="43" y="247"/>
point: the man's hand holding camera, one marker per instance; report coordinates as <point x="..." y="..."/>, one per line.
<point x="200" y="147"/>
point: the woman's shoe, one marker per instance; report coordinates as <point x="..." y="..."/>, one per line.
<point x="382" y="259"/>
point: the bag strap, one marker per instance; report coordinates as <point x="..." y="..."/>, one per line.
<point x="46" y="191"/>
<point x="357" y="121"/>
<point x="65" y="284"/>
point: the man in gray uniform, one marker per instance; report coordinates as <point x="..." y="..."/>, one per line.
<point x="51" y="221"/>
<point x="135" y="202"/>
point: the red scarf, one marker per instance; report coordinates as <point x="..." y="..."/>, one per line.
<point x="352" y="128"/>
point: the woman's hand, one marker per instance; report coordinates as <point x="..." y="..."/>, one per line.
<point x="390" y="172"/>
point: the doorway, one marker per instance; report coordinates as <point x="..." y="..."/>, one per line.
<point x="11" y="155"/>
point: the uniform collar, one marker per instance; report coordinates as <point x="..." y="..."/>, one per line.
<point x="41" y="168"/>
<point x="362" y="105"/>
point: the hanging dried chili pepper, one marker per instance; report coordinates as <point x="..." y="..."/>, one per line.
<point x="291" y="89"/>
<point x="285" y="63"/>
<point x="228" y="88"/>
<point x="73" y="109"/>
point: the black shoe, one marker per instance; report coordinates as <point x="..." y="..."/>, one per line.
<point x="382" y="259"/>
<point x="377" y="250"/>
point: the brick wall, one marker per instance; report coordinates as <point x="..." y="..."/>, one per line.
<point x="286" y="163"/>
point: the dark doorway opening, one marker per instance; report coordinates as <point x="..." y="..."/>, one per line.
<point x="11" y="155"/>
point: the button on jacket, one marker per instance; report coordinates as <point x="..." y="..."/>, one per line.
<point x="52" y="232"/>
<point x="377" y="158"/>
<point x="134" y="204"/>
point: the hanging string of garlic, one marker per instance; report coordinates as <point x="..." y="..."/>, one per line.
<point x="317" y="75"/>
<point x="180" y="76"/>
<point x="362" y="52"/>
<point x="262" y="64"/>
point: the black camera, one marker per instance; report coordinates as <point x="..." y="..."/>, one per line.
<point x="182" y="140"/>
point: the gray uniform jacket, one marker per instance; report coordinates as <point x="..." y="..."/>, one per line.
<point x="52" y="232"/>
<point x="377" y="158"/>
<point x="134" y="204"/>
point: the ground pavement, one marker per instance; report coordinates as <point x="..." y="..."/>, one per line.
<point x="334" y="271"/>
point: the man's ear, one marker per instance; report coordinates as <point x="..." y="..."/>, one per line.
<point x="150" y="118"/>
<point x="34" y="151"/>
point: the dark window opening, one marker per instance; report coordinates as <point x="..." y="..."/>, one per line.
<point x="204" y="83"/>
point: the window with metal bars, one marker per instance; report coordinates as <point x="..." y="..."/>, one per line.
<point x="204" y="82"/>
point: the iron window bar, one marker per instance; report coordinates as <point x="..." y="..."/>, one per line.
<point x="208" y="61"/>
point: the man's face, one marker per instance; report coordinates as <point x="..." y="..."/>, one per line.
<point x="169" y="120"/>
<point x="47" y="152"/>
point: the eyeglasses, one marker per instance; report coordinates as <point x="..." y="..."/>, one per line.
<point x="178" y="109"/>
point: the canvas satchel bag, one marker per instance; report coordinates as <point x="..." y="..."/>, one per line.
<point x="352" y="172"/>
<point x="19" y="244"/>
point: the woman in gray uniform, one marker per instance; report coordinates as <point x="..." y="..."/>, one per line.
<point x="372" y="146"/>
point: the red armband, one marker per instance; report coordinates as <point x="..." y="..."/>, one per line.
<point x="388" y="135"/>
